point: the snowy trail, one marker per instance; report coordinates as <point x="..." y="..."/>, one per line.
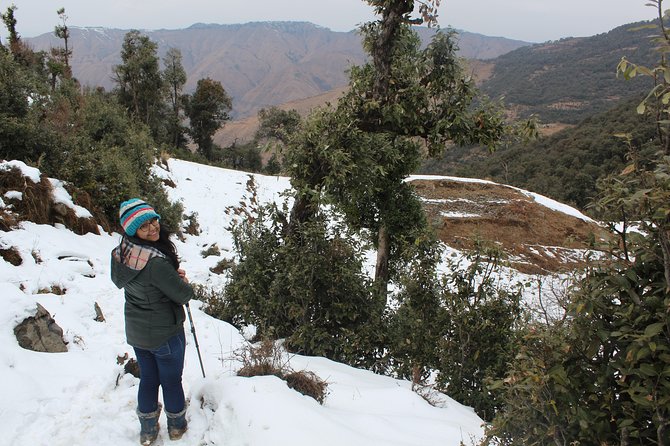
<point x="81" y="397"/>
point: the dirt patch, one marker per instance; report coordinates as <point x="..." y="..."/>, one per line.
<point x="11" y="255"/>
<point x="552" y="127"/>
<point x="536" y="238"/>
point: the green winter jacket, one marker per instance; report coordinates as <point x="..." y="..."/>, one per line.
<point x="155" y="294"/>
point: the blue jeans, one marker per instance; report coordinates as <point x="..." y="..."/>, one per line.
<point x="162" y="367"/>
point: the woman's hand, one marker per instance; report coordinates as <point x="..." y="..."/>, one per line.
<point x="182" y="274"/>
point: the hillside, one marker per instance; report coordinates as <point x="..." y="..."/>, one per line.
<point x="570" y="79"/>
<point x="564" y="165"/>
<point x="537" y="235"/>
<point x="560" y="82"/>
<point x="259" y="64"/>
<point x="84" y="396"/>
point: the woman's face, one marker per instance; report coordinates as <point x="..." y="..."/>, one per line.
<point x="150" y="230"/>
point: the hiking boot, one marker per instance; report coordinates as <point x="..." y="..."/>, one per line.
<point x="149" y="426"/>
<point x="177" y="424"/>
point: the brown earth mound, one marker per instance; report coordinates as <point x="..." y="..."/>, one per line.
<point x="536" y="238"/>
<point x="27" y="201"/>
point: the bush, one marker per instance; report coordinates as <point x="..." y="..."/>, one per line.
<point x="308" y="288"/>
<point x="484" y="319"/>
<point x="602" y="376"/>
<point x="216" y="305"/>
<point x="461" y="329"/>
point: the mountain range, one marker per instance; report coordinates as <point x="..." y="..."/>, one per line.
<point x="260" y="64"/>
<point x="298" y="65"/>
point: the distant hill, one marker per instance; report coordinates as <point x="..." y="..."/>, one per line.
<point x="561" y="82"/>
<point x="565" y="165"/>
<point x="570" y="79"/>
<point x="570" y="85"/>
<point x="260" y="64"/>
<point x="242" y="130"/>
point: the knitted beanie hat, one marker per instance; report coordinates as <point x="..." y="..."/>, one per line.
<point x="133" y="213"/>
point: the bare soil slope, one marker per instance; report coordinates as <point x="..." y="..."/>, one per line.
<point x="537" y="239"/>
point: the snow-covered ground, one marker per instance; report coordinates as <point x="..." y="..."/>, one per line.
<point x="82" y="397"/>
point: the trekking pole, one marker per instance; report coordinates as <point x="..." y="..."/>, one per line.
<point x="197" y="347"/>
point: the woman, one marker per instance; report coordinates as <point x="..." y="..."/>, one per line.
<point x="145" y="264"/>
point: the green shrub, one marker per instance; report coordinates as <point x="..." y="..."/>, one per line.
<point x="308" y="288"/>
<point x="460" y="328"/>
<point x="603" y="375"/>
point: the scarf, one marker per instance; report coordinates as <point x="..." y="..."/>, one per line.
<point x="133" y="255"/>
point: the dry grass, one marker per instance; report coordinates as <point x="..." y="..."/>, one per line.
<point x="37" y="205"/>
<point x="222" y="265"/>
<point x="169" y="183"/>
<point x="262" y="359"/>
<point x="267" y="359"/>
<point x="83" y="199"/>
<point x="35" y="201"/>
<point x="192" y="228"/>
<point x="55" y="289"/>
<point x="212" y="250"/>
<point x="308" y="384"/>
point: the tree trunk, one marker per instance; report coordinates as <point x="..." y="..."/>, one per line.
<point x="661" y="435"/>
<point x="382" y="265"/>
<point x="392" y="18"/>
<point x="303" y="210"/>
<point x="665" y="248"/>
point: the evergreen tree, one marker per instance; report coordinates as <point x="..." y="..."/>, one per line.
<point x="10" y="22"/>
<point x="275" y="128"/>
<point x="139" y="85"/>
<point x="59" y="62"/>
<point x="369" y="145"/>
<point x="207" y="110"/>
<point x="24" y="96"/>
<point x="174" y="77"/>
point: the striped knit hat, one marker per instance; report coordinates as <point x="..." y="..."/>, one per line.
<point x="133" y="213"/>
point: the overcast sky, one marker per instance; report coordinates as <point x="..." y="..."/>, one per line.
<point x="529" y="20"/>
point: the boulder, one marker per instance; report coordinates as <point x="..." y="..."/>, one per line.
<point x="40" y="333"/>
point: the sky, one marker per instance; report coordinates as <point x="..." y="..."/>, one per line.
<point x="528" y="20"/>
<point x="82" y="397"/>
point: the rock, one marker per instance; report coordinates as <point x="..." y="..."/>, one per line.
<point x="60" y="209"/>
<point x="40" y="333"/>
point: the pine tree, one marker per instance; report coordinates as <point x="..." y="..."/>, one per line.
<point x="207" y="109"/>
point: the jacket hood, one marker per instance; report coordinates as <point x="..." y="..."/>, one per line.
<point x="129" y="259"/>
